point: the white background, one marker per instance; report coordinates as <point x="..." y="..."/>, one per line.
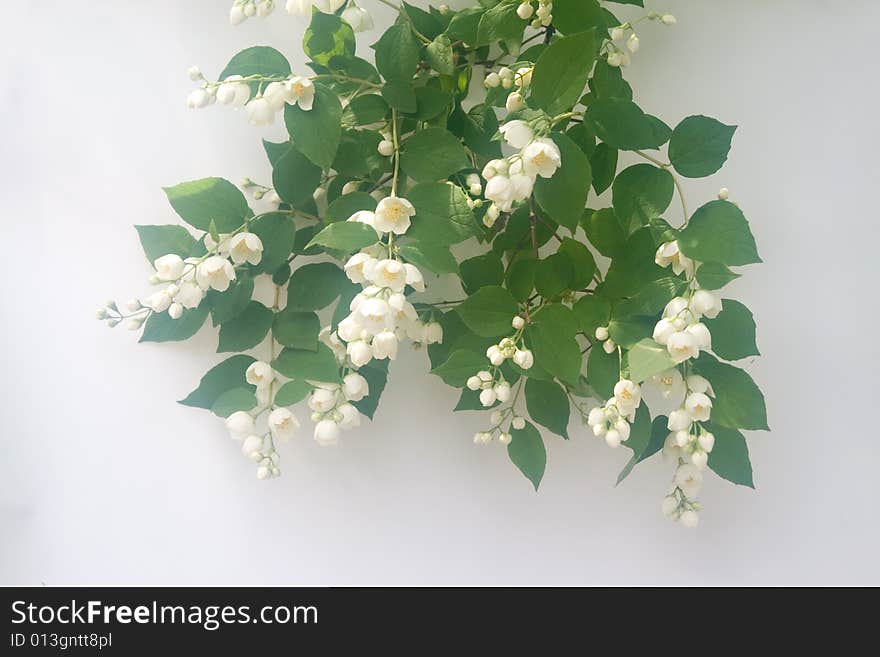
<point x="105" y="480"/>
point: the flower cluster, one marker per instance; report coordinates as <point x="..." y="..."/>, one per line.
<point x="259" y="446"/>
<point x="381" y="317"/>
<point x="624" y="33"/>
<point x="543" y="17"/>
<point x="492" y="385"/>
<point x="235" y="90"/>
<point x="243" y="9"/>
<point x="612" y="420"/>
<point x="495" y="432"/>
<point x="332" y="408"/>
<point x="506" y="78"/>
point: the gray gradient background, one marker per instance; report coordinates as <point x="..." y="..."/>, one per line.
<point x="105" y="480"/>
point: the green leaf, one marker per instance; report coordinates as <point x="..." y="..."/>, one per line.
<point x="604" y="164"/>
<point x="365" y="110"/>
<point x="481" y="271"/>
<point x="158" y="241"/>
<point x="398" y="53"/>
<point x="297" y="329"/>
<point x="552" y="338"/>
<point x="500" y="23"/>
<point x="641" y="193"/>
<point x="346" y="236"/>
<point x="433" y="154"/>
<point x="733" y="331"/>
<point x="228" y="375"/>
<point x="401" y="96"/>
<point x="328" y="37"/>
<point x="652" y="297"/>
<point x="459" y="367"/>
<point x="521" y="278"/>
<point x="476" y="127"/>
<point x="548" y="405"/>
<point x="561" y="72"/>
<point x="439" y="55"/>
<point x="528" y="453"/>
<point x="277" y="233"/>
<point x="738" y="402"/>
<point x="161" y="328"/>
<point x="246" y="330"/>
<point x="258" y="60"/>
<point x="553" y="275"/>
<point x="232" y="302"/>
<point x="442" y="215"/>
<point x="604" y="231"/>
<point x="292" y="392"/>
<point x="570" y="16"/>
<point x="316" y="133"/>
<point x="315" y="286"/>
<point x="634" y="266"/>
<point x="437" y="259"/>
<point x="603" y="371"/>
<point x="464" y="24"/>
<point x="489" y="312"/>
<point x="428" y="24"/>
<point x="295" y="178"/>
<point x="199" y="202"/>
<point x="345" y="206"/>
<point x="305" y="365"/>
<point x="718" y="232"/>
<point x="358" y="155"/>
<point x="729" y="457"/>
<point x="647" y="358"/>
<point x="641" y="437"/>
<point x="627" y="330"/>
<point x="431" y="102"/>
<point x="592" y="312"/>
<point x="376" y="374"/>
<point x="714" y="276"/>
<point x="608" y="82"/>
<point x="621" y="124"/>
<point x="583" y="264"/>
<point x="564" y="196"/>
<point x="699" y="146"/>
<point x="231" y="401"/>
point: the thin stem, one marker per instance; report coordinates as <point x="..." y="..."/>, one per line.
<point x="675" y="180"/>
<point x="400" y="10"/>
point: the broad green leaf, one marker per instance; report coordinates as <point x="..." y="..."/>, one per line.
<point x="247" y="329"/>
<point x="328" y="37"/>
<point x="433" y="154"/>
<point x="733" y="331"/>
<point x="401" y="96"/>
<point x="564" y="196"/>
<point x="489" y="311"/>
<point x="428" y="24"/>
<point x="552" y="338"/>
<point x="200" y="202"/>
<point x="481" y="271"/>
<point x="634" y="266"/>
<point x="161" y="328"/>
<point x="277" y="233"/>
<point x="604" y="231"/>
<point x="699" y="146"/>
<point x="292" y="392"/>
<point x="376" y="374"/>
<point x="228" y="375"/>
<point x="297" y="329"/>
<point x="295" y="178"/>
<point x="718" y="232"/>
<point x="258" y="60"/>
<point x="438" y="259"/>
<point x="592" y="312"/>
<point x="548" y="405"/>
<point x="641" y="193"/>
<point x="647" y="358"/>
<point x="431" y="102"/>
<point x="621" y="124"/>
<point x="398" y="53"/>
<point x="460" y="366"/>
<point x="358" y="156"/>
<point x="315" y="286"/>
<point x="442" y="215"/>
<point x="521" y="278"/>
<point x="561" y="72"/>
<point x="316" y="133"/>
<point x="365" y="110"/>
<point x="729" y="457"/>
<point x="604" y="165"/>
<point x="476" y="127"/>
<point x="232" y="302"/>
<point x="603" y="371"/>
<point x="500" y="23"/>
<point x="738" y="402"/>
<point x="464" y="25"/>
<point x="553" y="275"/>
<point x="345" y="206"/>
<point x="439" y="55"/>
<point x="571" y="16"/>
<point x="583" y="264"/>
<point x="714" y="276"/>
<point x="346" y="236"/>
<point x="652" y="297"/>
<point x="627" y="330"/>
<point x="528" y="453"/>
<point x="643" y="437"/>
<point x="158" y="241"/>
<point x="231" y="401"/>
<point x="608" y="82"/>
<point x="305" y="365"/>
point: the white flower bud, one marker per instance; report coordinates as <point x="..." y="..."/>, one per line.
<point x="602" y="333"/>
<point x="488" y="397"/>
<point x="689" y="519"/>
<point x="493" y="80"/>
<point x="386" y="148"/>
<point x="668" y="19"/>
<point x="355" y="387"/>
<point x="523" y="77"/>
<point x="682" y="438"/>
<point x="698" y="406"/>
<point x="596" y="416"/>
<point x="194" y="73"/>
<point x="502" y="392"/>
<point x="326" y="433"/>
<point x="700" y="460"/>
<point x="514" y="102"/>
<point x="524" y="358"/>
<point x="236" y="14"/>
<point x="612" y="438"/>
<point x="505" y="438"/>
<point x="350" y="417"/>
<point x="175" y="311"/>
<point x="519" y="423"/>
<point x="359" y="19"/>
<point x="706" y="441"/>
<point x="495" y="356"/>
<point x="474" y="383"/>
<point x="679" y="420"/>
<point x="618" y="33"/>
<point x="669" y="506"/>
<point x="615" y="59"/>
<point x="525" y="11"/>
<point x="609" y="346"/>
<point x="632" y="44"/>
<point x="723" y="194"/>
<point x="518" y="323"/>
<point x="263" y="472"/>
<point x="622" y="427"/>
<point x="240" y="424"/>
<point x="283" y="424"/>
<point x="132" y="305"/>
<point x="259" y="374"/>
<point x="252" y="447"/>
<point x="496" y="417"/>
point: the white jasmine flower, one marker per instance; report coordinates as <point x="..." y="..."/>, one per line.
<point x="322" y="400"/>
<point x="669" y="506"/>
<point x="389" y="273"/>
<point x="596" y="416"/>
<point x="215" y="272"/>
<point x="159" y="301"/>
<point x="627" y="396"/>
<point x="697" y="383"/>
<point x="541" y="158"/>
<point x="169" y="267"/>
<point x="698" y="406"/>
<point x="618" y="33"/>
<point x="433" y="333"/>
<point x="350" y="419"/>
<point x="682" y="346"/>
<point x="189" y="295"/>
<point x="668" y="19"/>
<point x="524" y="358"/>
<point x="689" y="479"/>
<point x="706" y="441"/>
<point x="327" y="433"/>
<point x="252" y="447"/>
<point x="393" y="215"/>
<point x="622" y="427"/>
<point x="632" y="44"/>
<point x="283" y="424"/>
<point x="670" y="254"/>
<point x="518" y="134"/>
<point x="385" y="345"/>
<point x="240" y="424"/>
<point x="689" y="519"/>
<point x="350" y="329"/>
<point x="679" y="420"/>
<point x="670" y="383"/>
<point x="359" y="267"/>
<point x="359" y="19"/>
<point x="488" y="397"/>
<point x="514" y="102"/>
<point x="300" y="91"/>
<point x="502" y="392"/>
<point x="259" y="374"/>
<point x="260" y="112"/>
<point x="246" y="247"/>
<point x="233" y="92"/>
<point x="525" y="11"/>
<point x="701" y="335"/>
<point x="359" y="352"/>
<point x="355" y="387"/>
<point x="705" y="303"/>
<point x="699" y="460"/>
<point x="385" y="148"/>
<point x="495" y="168"/>
<point x="276" y="93"/>
<point x="671" y="449"/>
<point x="414" y="278"/>
<point x="675" y="307"/>
<point x="523" y="77"/>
